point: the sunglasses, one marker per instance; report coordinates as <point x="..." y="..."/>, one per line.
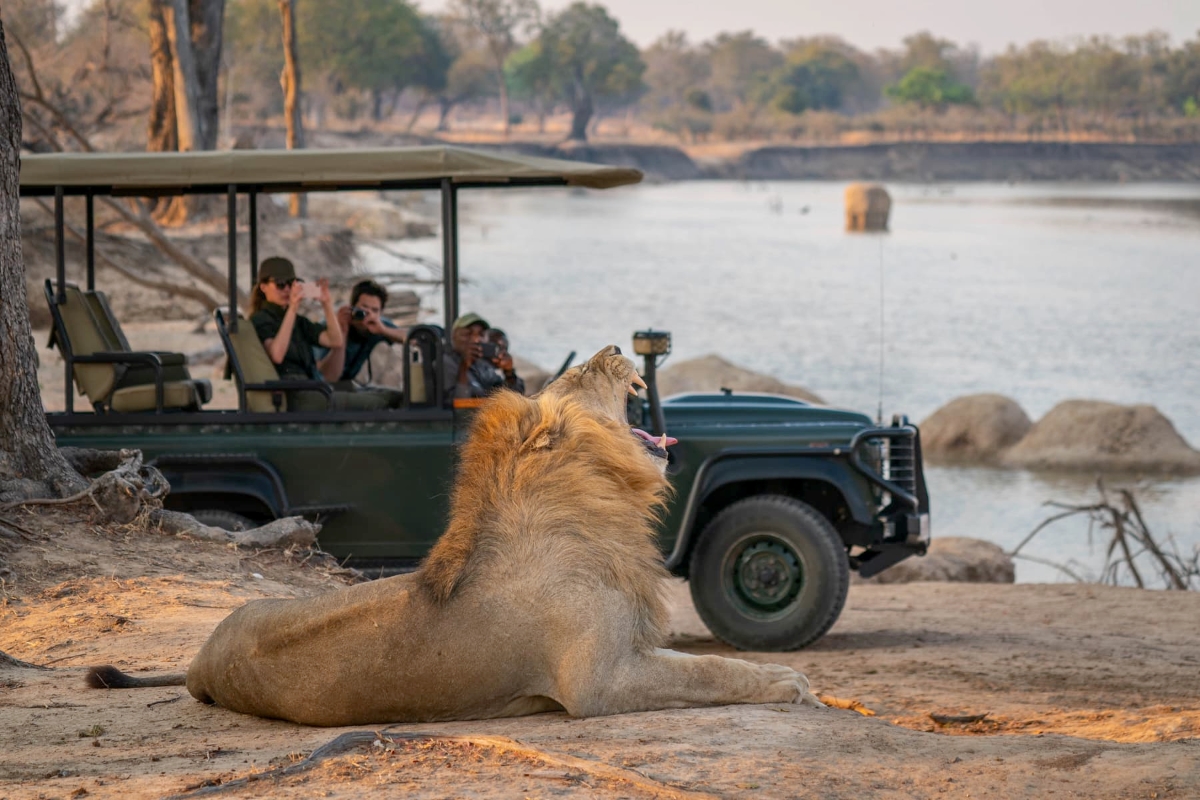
<point x="284" y="284"/>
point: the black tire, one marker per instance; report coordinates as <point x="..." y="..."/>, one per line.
<point x="225" y="520"/>
<point x="769" y="573"/>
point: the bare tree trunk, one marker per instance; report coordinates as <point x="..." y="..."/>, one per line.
<point x="290" y="80"/>
<point x="187" y="94"/>
<point x="162" y="135"/>
<point x="581" y="112"/>
<point x="206" y="18"/>
<point x="422" y="101"/>
<point x="504" y="113"/>
<point x="30" y="464"/>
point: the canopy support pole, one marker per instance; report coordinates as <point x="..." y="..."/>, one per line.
<point x="60" y="266"/>
<point x="60" y="254"/>
<point x="252" y="196"/>
<point x="91" y="243"/>
<point x="231" y="222"/>
<point x="450" y="251"/>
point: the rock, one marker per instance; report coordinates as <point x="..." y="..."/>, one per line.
<point x="710" y="373"/>
<point x="975" y="429"/>
<point x="953" y="559"/>
<point x="1096" y="436"/>
<point x="867" y="207"/>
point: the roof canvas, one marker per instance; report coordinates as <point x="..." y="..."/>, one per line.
<point x="289" y="170"/>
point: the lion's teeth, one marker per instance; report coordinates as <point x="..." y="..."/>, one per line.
<point x="633" y="391"/>
<point x="637" y="381"/>
<point x="663" y="442"/>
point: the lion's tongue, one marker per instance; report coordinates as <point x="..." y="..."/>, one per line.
<point x="670" y="439"/>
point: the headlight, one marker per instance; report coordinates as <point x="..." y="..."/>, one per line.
<point x="651" y="343"/>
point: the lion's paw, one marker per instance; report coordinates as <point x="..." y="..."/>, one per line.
<point x="786" y="685"/>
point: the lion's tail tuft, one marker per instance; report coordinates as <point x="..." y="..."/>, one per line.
<point x="109" y="677"/>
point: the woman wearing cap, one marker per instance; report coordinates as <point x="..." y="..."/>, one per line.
<point x="286" y="334"/>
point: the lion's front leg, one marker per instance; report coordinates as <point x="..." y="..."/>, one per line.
<point x="669" y="679"/>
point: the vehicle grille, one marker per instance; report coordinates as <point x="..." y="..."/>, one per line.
<point x="902" y="463"/>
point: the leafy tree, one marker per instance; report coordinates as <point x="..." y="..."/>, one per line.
<point x="470" y="77"/>
<point x="1182" y="84"/>
<point x="590" y="61"/>
<point x="497" y="23"/>
<point x="815" y="76"/>
<point x="742" y="65"/>
<point x="529" y="72"/>
<point x="930" y="88"/>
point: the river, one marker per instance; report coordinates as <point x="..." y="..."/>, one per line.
<point x="1042" y="292"/>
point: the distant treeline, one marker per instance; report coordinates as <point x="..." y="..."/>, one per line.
<point x="387" y="61"/>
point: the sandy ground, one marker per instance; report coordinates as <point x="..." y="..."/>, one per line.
<point x="1089" y="692"/>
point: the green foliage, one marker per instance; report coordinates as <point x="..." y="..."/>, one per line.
<point x="1191" y="108"/>
<point x="530" y="72"/>
<point x="590" y="55"/>
<point x="742" y="67"/>
<point x="815" y="77"/>
<point x="930" y="88"/>
<point x="373" y="45"/>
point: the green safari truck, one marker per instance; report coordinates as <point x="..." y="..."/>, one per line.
<point x="775" y="501"/>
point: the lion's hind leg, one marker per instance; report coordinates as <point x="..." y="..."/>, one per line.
<point x="669" y="679"/>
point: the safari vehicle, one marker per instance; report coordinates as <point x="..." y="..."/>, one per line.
<point x="775" y="500"/>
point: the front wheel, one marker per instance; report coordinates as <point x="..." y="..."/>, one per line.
<point x="769" y="573"/>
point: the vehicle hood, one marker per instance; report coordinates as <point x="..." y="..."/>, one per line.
<point x="758" y="414"/>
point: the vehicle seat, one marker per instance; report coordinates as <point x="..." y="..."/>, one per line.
<point x="116" y="378"/>
<point x="260" y="389"/>
<point x="423" y="354"/>
<point x="110" y="329"/>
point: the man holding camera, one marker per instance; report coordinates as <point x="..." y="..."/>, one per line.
<point x="363" y="327"/>
<point x="473" y="366"/>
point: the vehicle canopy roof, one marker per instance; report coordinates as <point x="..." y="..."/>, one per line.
<point x="305" y="170"/>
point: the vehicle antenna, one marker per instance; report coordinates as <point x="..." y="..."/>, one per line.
<point x="879" y="414"/>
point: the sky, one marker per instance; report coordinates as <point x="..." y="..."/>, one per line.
<point x="870" y="24"/>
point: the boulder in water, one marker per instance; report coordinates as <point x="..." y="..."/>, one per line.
<point x="955" y="559"/>
<point x="1096" y="436"/>
<point x="975" y="429"/>
<point x="711" y="373"/>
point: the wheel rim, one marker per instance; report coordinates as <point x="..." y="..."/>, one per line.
<point x="763" y="576"/>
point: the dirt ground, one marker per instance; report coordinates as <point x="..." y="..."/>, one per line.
<point x="1088" y="691"/>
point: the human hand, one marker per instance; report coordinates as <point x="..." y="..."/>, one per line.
<point x="474" y="353"/>
<point x="323" y="286"/>
<point x="374" y="323"/>
<point x="296" y="297"/>
<point x="505" y="362"/>
<point x="344" y="315"/>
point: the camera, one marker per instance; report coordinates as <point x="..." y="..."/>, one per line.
<point x="358" y="314"/>
<point x="489" y="350"/>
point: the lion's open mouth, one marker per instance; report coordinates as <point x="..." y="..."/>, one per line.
<point x="656" y="446"/>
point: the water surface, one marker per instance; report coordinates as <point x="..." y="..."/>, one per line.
<point x="1039" y="292"/>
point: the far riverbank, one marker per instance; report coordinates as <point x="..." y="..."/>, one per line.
<point x="903" y="161"/>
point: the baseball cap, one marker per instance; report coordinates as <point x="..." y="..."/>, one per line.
<point x="277" y="269"/>
<point x="470" y="319"/>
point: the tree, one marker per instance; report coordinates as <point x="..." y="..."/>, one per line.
<point x="289" y="80"/>
<point x="363" y="44"/>
<point x="742" y="65"/>
<point x="497" y="23"/>
<point x="817" y="75"/>
<point x="30" y="464"/>
<point x="529" y="72"/>
<point x="930" y="88"/>
<point x="591" y="61"/>
<point x="1183" y="78"/>
<point x="469" y="78"/>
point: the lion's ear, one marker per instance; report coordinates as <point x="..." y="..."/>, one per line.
<point x="540" y="438"/>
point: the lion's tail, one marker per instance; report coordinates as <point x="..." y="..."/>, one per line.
<point x="109" y="677"/>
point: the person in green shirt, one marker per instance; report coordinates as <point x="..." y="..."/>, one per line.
<point x="289" y="337"/>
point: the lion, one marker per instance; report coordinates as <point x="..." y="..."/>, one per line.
<point x="543" y="594"/>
